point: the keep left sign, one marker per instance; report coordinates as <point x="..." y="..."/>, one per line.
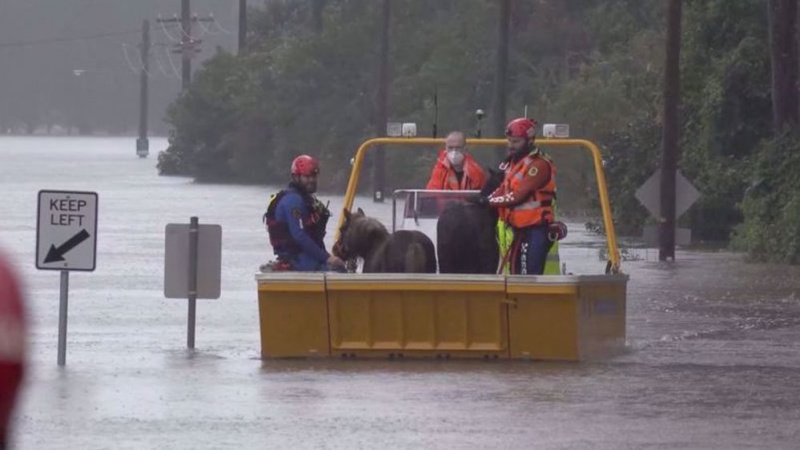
<point x="66" y="230"/>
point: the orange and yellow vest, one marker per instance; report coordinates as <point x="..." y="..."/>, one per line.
<point x="536" y="209"/>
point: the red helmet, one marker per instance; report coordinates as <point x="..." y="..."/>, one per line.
<point x="305" y="165"/>
<point x="522" y="127"/>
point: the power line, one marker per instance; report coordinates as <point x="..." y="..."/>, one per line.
<point x="70" y="39"/>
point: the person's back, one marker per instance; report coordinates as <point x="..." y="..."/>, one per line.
<point x="455" y="169"/>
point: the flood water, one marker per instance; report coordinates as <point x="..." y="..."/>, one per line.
<point x="712" y="360"/>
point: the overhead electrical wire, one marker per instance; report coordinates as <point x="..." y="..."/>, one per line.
<point x="72" y="39"/>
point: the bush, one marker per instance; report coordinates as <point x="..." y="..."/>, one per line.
<point x="771" y="205"/>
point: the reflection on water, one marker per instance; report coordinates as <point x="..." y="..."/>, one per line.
<point x="713" y="358"/>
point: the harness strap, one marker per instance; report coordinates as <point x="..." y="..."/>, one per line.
<point x="508" y="254"/>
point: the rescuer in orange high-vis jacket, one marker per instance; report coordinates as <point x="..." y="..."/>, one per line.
<point x="455" y="170"/>
<point x="525" y="199"/>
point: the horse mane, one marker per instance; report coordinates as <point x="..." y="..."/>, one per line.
<point x="401" y="252"/>
<point x="361" y="234"/>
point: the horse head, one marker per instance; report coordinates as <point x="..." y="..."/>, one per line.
<point x="358" y="235"/>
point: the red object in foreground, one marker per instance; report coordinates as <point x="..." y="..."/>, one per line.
<point x="12" y="345"/>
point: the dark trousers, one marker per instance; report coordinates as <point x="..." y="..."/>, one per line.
<point x="530" y="250"/>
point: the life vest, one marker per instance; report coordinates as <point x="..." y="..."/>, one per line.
<point x="314" y="224"/>
<point x="536" y="209"/>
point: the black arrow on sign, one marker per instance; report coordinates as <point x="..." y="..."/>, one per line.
<point x="57" y="254"/>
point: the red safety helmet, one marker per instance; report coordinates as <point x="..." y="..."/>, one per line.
<point x="521" y="128"/>
<point x="305" y="165"/>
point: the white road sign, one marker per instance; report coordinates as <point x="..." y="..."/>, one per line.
<point x="176" y="260"/>
<point x="66" y="230"/>
<point x="649" y="194"/>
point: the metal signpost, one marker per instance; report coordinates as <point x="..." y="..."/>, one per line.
<point x="66" y="239"/>
<point x="192" y="265"/>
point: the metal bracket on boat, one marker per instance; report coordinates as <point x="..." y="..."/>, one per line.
<point x="509" y="301"/>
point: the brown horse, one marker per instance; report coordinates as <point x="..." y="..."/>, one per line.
<point x="405" y="251"/>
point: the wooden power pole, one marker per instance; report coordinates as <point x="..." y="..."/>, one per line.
<point x="142" y="143"/>
<point x="242" y="26"/>
<point x="188" y="46"/>
<point x="501" y="69"/>
<point x="670" y="133"/>
<point x="379" y="168"/>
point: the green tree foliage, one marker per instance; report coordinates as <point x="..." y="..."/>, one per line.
<point x="726" y="107"/>
<point x="309" y="87"/>
<point x="771" y="206"/>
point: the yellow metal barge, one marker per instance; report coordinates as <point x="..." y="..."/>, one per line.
<point x="549" y="317"/>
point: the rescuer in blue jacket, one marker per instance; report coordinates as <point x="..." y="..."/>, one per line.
<point x="296" y="222"/>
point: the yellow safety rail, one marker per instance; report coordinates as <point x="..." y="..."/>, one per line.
<point x="611" y="237"/>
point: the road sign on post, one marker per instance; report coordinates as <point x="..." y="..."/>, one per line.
<point x="66" y="231"/>
<point x="177" y="261"/>
<point x="192" y="265"/>
<point x="66" y="239"/>
<point x="649" y="194"/>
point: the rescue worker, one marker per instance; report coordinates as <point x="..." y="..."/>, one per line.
<point x="12" y="347"/>
<point x="455" y="169"/>
<point x="525" y="201"/>
<point x="296" y="222"/>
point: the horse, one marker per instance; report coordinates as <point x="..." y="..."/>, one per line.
<point x="404" y="251"/>
<point x="466" y="234"/>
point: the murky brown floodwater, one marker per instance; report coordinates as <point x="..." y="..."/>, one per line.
<point x="713" y="360"/>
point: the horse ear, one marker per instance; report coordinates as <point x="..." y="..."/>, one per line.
<point x="346" y="213"/>
<point x="361" y="211"/>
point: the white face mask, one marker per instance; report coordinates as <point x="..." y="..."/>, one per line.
<point x="455" y="157"/>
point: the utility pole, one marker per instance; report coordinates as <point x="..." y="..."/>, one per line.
<point x="501" y="70"/>
<point x="142" y="144"/>
<point x="242" y="26"/>
<point x="671" y="133"/>
<point x="188" y="46"/>
<point x="379" y="168"/>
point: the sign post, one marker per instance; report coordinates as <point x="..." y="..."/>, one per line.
<point x="649" y="195"/>
<point x="192" y="265"/>
<point x="66" y="239"/>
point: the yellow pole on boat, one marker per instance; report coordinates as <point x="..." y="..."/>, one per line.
<point x="605" y="206"/>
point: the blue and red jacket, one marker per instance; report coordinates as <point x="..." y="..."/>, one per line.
<point x="296" y="224"/>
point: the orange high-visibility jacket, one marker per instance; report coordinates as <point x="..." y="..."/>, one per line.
<point x="538" y="207"/>
<point x="443" y="176"/>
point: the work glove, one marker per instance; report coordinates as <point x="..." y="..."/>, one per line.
<point x="477" y="199"/>
<point x="556" y="231"/>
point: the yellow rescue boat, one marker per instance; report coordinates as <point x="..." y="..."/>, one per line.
<point x="548" y="317"/>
